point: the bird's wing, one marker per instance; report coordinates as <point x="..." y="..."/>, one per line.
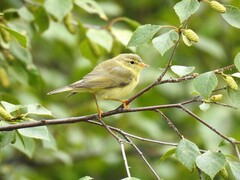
<point x="105" y="77"/>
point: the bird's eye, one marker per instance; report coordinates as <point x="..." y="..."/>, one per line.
<point x="132" y="62"/>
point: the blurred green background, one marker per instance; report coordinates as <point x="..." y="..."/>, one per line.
<point x="56" y="58"/>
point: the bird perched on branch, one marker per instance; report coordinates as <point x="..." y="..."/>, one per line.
<point x="112" y="79"/>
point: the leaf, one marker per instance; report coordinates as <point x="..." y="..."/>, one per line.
<point x="211" y="162"/>
<point x="130" y="178"/>
<point x="58" y="9"/>
<point x="167" y="154"/>
<point x="51" y="143"/>
<point x="143" y="34"/>
<point x="18" y="36"/>
<point x="101" y="37"/>
<point x="186" y="8"/>
<point x="86" y="178"/>
<point x="235" y="168"/>
<point x="91" y="7"/>
<point x="6" y="138"/>
<point x="205" y="83"/>
<point x="182" y="70"/>
<point x="204" y="106"/>
<point x="237" y="61"/>
<point x="122" y="35"/>
<point x="165" y="41"/>
<point x="38" y="109"/>
<point x="23" y="54"/>
<point x="24" y="144"/>
<point x="236" y="75"/>
<point x="10" y="107"/>
<point x="187" y="153"/>
<point x="232" y="16"/>
<point x="41" y="19"/>
<point x="40" y="132"/>
<point x="131" y="22"/>
<point x="234" y="96"/>
<point x="186" y="40"/>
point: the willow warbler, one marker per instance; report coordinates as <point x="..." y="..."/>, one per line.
<point x="112" y="79"/>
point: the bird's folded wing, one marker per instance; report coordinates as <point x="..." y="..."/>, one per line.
<point x="104" y="78"/>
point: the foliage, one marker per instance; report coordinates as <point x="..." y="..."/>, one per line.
<point x="183" y="120"/>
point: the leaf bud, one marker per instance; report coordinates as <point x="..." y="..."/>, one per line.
<point x="190" y="35"/>
<point x="217" y="97"/>
<point x="4" y="78"/>
<point x="231" y="83"/>
<point x="217" y="7"/>
<point x="68" y="23"/>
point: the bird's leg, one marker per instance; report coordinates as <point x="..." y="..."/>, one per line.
<point x="98" y="108"/>
<point x="124" y="103"/>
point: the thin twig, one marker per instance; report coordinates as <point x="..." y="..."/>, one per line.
<point x="125" y="159"/>
<point x="200" y="174"/>
<point x="236" y="149"/>
<point x="170" y="123"/>
<point x="142" y="156"/>
<point x="109" y="130"/>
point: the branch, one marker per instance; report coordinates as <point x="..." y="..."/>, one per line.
<point x="170" y="123"/>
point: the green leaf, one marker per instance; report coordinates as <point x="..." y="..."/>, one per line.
<point x="187" y="153"/>
<point x="58" y="9"/>
<point x="186" y="8"/>
<point x="10" y="107"/>
<point x="131" y="22"/>
<point x="91" y="7"/>
<point x="24" y="144"/>
<point x="186" y="40"/>
<point x="101" y="37"/>
<point x="235" y="168"/>
<point x="86" y="50"/>
<point x="204" y="106"/>
<point x="23" y="54"/>
<point x="6" y="138"/>
<point x="234" y="96"/>
<point x="86" y="178"/>
<point x="211" y="162"/>
<point x="122" y="35"/>
<point x="232" y="16"/>
<point x="167" y="154"/>
<point x="237" y="61"/>
<point x="40" y="132"/>
<point x="236" y="75"/>
<point x="38" y="109"/>
<point x="165" y="41"/>
<point x="51" y="143"/>
<point x="130" y="178"/>
<point x="205" y="83"/>
<point x="41" y="19"/>
<point x="182" y="70"/>
<point x="143" y="34"/>
<point x="18" y="36"/>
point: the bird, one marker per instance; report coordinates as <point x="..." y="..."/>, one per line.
<point x="112" y="79"/>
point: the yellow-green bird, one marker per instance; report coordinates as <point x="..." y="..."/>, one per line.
<point x="112" y="79"/>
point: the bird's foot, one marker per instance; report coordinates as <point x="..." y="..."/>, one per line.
<point x="100" y="112"/>
<point x="124" y="103"/>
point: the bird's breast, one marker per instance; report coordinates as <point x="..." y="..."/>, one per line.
<point x="117" y="93"/>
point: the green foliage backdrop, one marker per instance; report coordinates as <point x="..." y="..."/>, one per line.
<point x="190" y="125"/>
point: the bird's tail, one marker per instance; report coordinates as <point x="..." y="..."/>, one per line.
<point x="59" y="90"/>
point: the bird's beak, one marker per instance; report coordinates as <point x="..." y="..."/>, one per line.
<point x="143" y="65"/>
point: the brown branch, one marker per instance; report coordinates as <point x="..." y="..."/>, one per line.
<point x="233" y="142"/>
<point x="170" y="123"/>
<point x="123" y="133"/>
<point x="142" y="156"/>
